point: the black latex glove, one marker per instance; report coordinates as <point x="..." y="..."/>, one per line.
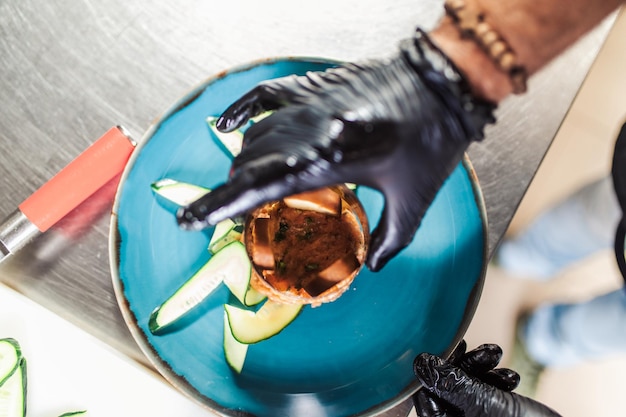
<point x="399" y="125"/>
<point x="469" y="385"/>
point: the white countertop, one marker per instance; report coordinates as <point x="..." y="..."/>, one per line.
<point x="70" y="370"/>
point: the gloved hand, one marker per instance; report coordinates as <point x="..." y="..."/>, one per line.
<point x="399" y="125"/>
<point x="469" y="385"/>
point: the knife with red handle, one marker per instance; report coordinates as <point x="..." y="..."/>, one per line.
<point x="81" y="178"/>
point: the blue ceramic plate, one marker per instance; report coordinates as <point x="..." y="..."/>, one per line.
<point x="352" y="357"/>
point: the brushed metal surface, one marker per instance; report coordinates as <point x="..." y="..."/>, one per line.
<point x="70" y="69"/>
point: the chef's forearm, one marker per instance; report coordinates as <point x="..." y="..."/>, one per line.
<point x="535" y="30"/>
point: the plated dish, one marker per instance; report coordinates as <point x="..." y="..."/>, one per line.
<point x="307" y="248"/>
<point x="349" y="357"/>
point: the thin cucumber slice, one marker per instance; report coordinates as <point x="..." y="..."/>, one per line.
<point x="229" y="142"/>
<point x="239" y="284"/>
<point x="226" y="231"/>
<point x="13" y="393"/>
<point x="10" y="355"/>
<point x="234" y="351"/>
<point x="227" y="262"/>
<point x="252" y="327"/>
<point x="177" y="192"/>
<point x="246" y="295"/>
<point x="253" y="297"/>
<point x="260" y="117"/>
<point x="74" y="413"/>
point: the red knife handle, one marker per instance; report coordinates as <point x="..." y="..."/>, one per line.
<point x="93" y="168"/>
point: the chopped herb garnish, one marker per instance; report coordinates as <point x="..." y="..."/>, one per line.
<point x="281" y="266"/>
<point x="281" y="234"/>
<point x="311" y="267"/>
<point x="306" y="235"/>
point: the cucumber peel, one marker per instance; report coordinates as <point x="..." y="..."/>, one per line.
<point x="227" y="262"/>
<point x="10" y="355"/>
<point x="178" y="192"/>
<point x="252" y="327"/>
<point x="239" y="284"/>
<point x="13" y="381"/>
<point x="13" y="392"/>
<point x="226" y="231"/>
<point x="234" y="351"/>
<point x="230" y="142"/>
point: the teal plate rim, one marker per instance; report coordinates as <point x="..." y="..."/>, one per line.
<point x="156" y="350"/>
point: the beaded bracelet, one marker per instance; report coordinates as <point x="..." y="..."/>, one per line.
<point x="472" y="25"/>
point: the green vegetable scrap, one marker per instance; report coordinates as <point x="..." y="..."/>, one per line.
<point x="13" y="381"/>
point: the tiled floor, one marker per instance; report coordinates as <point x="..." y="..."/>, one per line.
<point x="581" y="152"/>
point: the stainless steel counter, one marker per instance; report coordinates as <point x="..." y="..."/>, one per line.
<point x="70" y="69"/>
